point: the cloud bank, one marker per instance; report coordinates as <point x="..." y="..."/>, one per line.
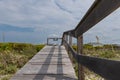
<point x="40" y="19"/>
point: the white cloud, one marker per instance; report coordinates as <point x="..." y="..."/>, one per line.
<point x="35" y="12"/>
<point x="53" y="17"/>
<point x="108" y="29"/>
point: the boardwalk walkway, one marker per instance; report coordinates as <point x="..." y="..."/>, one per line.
<point x="51" y="63"/>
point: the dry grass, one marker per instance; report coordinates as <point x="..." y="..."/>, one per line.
<point x="13" y="56"/>
<point x="111" y="52"/>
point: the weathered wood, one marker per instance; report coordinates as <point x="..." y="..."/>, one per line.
<point x="54" y="39"/>
<point x="98" y="11"/>
<point x="70" y="32"/>
<point x="80" y="51"/>
<point x="47" y="41"/>
<point x="70" y="40"/>
<point x="53" y="65"/>
<point x="108" y="69"/>
<point x="66" y="38"/>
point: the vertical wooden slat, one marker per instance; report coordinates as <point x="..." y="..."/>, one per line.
<point x="70" y="43"/>
<point x="47" y="41"/>
<point x="63" y="38"/>
<point x="80" y="51"/>
<point x="66" y="39"/>
<point x="70" y="40"/>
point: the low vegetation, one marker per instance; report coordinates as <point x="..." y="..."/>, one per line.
<point x="106" y="51"/>
<point x="13" y="56"/>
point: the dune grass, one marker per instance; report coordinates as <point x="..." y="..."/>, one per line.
<point x="111" y="52"/>
<point x="13" y="56"/>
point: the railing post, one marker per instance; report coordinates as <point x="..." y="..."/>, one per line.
<point x="66" y="38"/>
<point x="80" y="51"/>
<point x="70" y="43"/>
<point x="47" y="41"/>
<point x="63" y="38"/>
<point x="70" y="40"/>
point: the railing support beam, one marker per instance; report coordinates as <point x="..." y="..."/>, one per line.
<point x="80" y="51"/>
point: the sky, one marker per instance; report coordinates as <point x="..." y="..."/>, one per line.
<point x="32" y="21"/>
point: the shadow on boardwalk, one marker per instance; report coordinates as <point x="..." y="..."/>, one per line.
<point x="59" y="74"/>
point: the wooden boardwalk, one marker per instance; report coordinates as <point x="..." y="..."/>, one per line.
<point x="51" y="63"/>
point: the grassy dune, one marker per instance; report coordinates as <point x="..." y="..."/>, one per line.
<point x="13" y="56"/>
<point x="111" y="52"/>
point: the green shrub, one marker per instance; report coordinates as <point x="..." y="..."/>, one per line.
<point x="3" y="46"/>
<point x="107" y="54"/>
<point x="106" y="51"/>
<point x="21" y="61"/>
<point x="1" y="66"/>
<point x="11" y="69"/>
<point x="87" y="46"/>
<point x="14" y="56"/>
<point x="74" y="47"/>
<point x="5" y="77"/>
<point x="39" y="47"/>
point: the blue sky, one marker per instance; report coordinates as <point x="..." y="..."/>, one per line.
<point x="32" y="21"/>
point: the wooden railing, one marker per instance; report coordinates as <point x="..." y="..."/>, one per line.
<point x="108" y="69"/>
<point x="54" y="39"/>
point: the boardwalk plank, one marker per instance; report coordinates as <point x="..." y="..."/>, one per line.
<point x="51" y="63"/>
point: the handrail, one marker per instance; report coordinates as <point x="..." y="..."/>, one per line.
<point x="100" y="9"/>
<point x="108" y="69"/>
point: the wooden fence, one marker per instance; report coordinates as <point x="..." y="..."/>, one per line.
<point x="108" y="69"/>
